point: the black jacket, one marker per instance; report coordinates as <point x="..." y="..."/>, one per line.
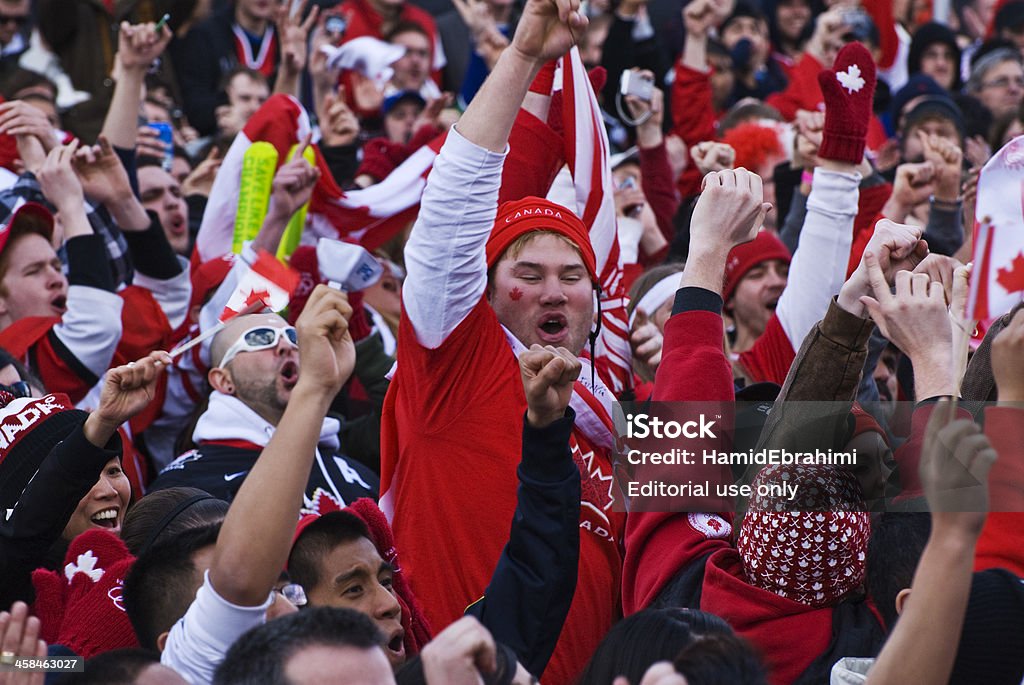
<point x="219" y="468"/>
<point x="66" y="475"/>
<point x="201" y="61"/>
<point x="528" y="598"/>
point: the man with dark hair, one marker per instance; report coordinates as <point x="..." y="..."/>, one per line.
<point x="897" y="539"/>
<point x="236" y="592"/>
<point x="163" y="582"/>
<point x="340" y="646"/>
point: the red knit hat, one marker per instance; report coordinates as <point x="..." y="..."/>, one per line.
<point x="530" y="214"/>
<point x="81" y="608"/>
<point x="810" y="549"/>
<point x="743" y="258"/>
<point x="414" y="621"/>
<point x="29" y="429"/>
<point x="863" y="422"/>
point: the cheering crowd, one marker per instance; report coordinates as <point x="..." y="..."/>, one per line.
<point x="315" y="316"/>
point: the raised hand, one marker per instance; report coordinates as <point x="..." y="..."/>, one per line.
<point x="827" y="38"/>
<point x="58" y="180"/>
<point x="913" y="185"/>
<point x="1008" y="360"/>
<point x="127" y="390"/>
<point x="730" y="210"/>
<point x="916" y="320"/>
<point x="896" y="247"/>
<point x="711" y="156"/>
<point x="432" y="112"/>
<point x="32" y="131"/>
<point x="547" y="29"/>
<point x="338" y="124"/>
<point x="646" y="342"/>
<point x="200" y="181"/>
<point x="138" y="45"/>
<point x="946" y="159"/>
<point x="955" y="462"/>
<point x="293" y="185"/>
<point x="548" y="375"/>
<point x="810" y="128"/>
<point x="292" y="33"/>
<point x="101" y="173"/>
<point x="327" y="354"/>
<point x="700" y="16"/>
<point x="459" y="654"/>
<point x="19" y="637"/>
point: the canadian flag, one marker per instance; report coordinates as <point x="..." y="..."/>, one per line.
<point x="998" y="281"/>
<point x="266" y="283"/>
<point x="370" y="217"/>
<point x="587" y="154"/>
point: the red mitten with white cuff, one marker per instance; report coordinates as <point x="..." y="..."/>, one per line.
<point x="849" y="89"/>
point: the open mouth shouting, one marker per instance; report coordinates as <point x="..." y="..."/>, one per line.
<point x="553" y="328"/>
<point x="290" y="374"/>
<point x="395" y="647"/>
<point x="59" y="304"/>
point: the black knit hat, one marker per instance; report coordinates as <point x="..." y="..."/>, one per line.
<point x="927" y="35"/>
<point x="992" y="643"/>
<point x="29" y="429"/>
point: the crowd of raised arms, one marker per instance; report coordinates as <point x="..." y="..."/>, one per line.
<point x="321" y="325"/>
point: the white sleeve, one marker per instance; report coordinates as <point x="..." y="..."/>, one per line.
<point x="818" y="269"/>
<point x="91" y="327"/>
<point x="172" y="294"/>
<point x="198" y="641"/>
<point x="445" y="259"/>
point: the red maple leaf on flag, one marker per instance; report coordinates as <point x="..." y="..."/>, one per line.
<point x="1012" y="278"/>
<point x="261" y="297"/>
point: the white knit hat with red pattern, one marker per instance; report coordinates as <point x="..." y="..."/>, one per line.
<point x="810" y="549"/>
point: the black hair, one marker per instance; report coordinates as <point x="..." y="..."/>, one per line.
<point x="259" y="657"/>
<point x="164" y="513"/>
<point x="163" y="581"/>
<point x="119" y="667"/>
<point x="721" y="659"/>
<point x="897" y="541"/>
<point x="649" y="636"/>
<point x="317" y="541"/>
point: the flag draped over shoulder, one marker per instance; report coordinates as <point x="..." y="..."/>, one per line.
<point x="370" y="217"/>
<point x="997" y="283"/>
<point x="587" y="154"/>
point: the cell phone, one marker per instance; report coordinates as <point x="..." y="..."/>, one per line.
<point x="166" y="135"/>
<point x="637" y="84"/>
<point x="335" y="25"/>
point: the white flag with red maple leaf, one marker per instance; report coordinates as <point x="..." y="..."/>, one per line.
<point x="266" y="281"/>
<point x="997" y="283"/>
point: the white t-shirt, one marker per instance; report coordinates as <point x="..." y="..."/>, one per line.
<point x="199" y="640"/>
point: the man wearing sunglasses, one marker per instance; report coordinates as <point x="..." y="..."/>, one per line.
<point x="255" y="367"/>
<point x="15" y="27"/>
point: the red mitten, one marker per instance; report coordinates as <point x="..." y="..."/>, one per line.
<point x="848" y="89"/>
<point x="545" y="78"/>
<point x="89" y="612"/>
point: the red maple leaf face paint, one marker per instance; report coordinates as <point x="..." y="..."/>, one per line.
<point x="515" y="294"/>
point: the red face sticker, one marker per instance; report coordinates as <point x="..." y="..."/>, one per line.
<point x="515" y="294"/>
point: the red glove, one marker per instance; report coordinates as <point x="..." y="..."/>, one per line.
<point x="849" y="89"/>
<point x="81" y="608"/>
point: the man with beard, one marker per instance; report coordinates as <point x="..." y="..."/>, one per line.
<point x="255" y="367"/>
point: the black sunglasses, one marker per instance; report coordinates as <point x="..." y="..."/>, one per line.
<point x="19" y="19"/>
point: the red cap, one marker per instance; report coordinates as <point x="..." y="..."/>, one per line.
<point x="30" y="217"/>
<point x="537" y="214"/>
<point x="743" y="258"/>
